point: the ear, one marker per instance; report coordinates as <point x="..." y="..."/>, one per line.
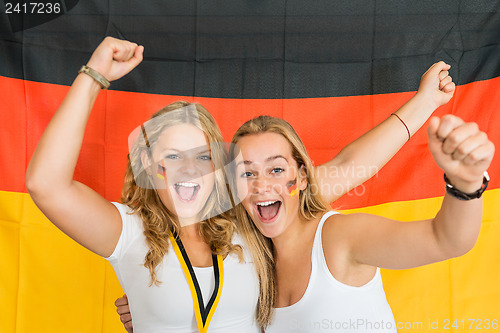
<point x="146" y="162"/>
<point x="302" y="178"/>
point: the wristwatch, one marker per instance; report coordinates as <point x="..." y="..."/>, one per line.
<point x="453" y="191"/>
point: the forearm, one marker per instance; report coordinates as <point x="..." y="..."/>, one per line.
<point x="54" y="160"/>
<point x="377" y="146"/>
<point x="457" y="225"/>
<point x="363" y="158"/>
<point x="464" y="153"/>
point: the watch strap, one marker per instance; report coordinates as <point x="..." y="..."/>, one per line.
<point x="456" y="193"/>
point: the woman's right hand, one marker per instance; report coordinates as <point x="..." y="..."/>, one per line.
<point x="124" y="311"/>
<point x="80" y="212"/>
<point x="114" y="58"/>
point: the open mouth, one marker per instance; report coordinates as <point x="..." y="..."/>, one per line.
<point x="187" y="191"/>
<point x="268" y="210"/>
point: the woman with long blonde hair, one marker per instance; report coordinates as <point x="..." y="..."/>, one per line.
<point x="325" y="266"/>
<point x="171" y="241"/>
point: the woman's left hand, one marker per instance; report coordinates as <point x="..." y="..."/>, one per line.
<point x="436" y="85"/>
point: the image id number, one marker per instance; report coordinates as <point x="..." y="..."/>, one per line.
<point x="33" y="8"/>
<point x="476" y="324"/>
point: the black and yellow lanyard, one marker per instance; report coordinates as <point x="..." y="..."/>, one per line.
<point x="203" y="314"/>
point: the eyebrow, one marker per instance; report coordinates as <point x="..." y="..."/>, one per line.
<point x="272" y="158"/>
<point x="181" y="151"/>
<point x="204" y="151"/>
<point x="269" y="159"/>
<point x="243" y="162"/>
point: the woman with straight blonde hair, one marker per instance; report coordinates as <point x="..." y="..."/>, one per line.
<point x="325" y="266"/>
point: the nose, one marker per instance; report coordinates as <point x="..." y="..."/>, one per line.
<point x="260" y="184"/>
<point x="189" y="166"/>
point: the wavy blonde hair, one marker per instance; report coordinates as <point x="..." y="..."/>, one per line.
<point x="157" y="220"/>
<point x="311" y="205"/>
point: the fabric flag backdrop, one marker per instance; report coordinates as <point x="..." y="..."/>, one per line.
<point x="333" y="69"/>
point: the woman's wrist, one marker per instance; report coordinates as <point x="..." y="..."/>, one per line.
<point x="86" y="87"/>
<point x="425" y="101"/>
<point x="415" y="113"/>
<point x="98" y="77"/>
<point x="465" y="186"/>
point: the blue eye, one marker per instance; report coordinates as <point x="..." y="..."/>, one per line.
<point x="246" y="174"/>
<point x="172" y="156"/>
<point x="277" y="170"/>
<point x="205" y="157"/>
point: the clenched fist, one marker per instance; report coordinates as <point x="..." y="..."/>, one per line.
<point x="461" y="150"/>
<point x="436" y="85"/>
<point x="114" y="58"/>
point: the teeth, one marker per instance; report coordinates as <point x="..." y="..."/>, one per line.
<point x="187" y="184"/>
<point x="266" y="203"/>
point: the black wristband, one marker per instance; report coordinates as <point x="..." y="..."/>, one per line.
<point x="456" y="193"/>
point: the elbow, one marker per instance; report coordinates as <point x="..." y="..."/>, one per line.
<point x="459" y="248"/>
<point x="33" y="183"/>
<point x="36" y="184"/>
<point x="457" y="240"/>
<point x="43" y="186"/>
<point x="465" y="248"/>
<point x="30" y="180"/>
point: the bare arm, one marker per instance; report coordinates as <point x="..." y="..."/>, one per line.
<point x="464" y="153"/>
<point x="375" y="148"/>
<point x="74" y="208"/>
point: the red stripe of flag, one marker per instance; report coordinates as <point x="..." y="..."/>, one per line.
<point x="324" y="124"/>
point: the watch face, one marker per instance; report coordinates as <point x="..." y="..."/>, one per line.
<point x="486" y="176"/>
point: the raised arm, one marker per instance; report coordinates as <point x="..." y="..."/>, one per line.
<point x="74" y="208"/>
<point x="464" y="153"/>
<point x="375" y="148"/>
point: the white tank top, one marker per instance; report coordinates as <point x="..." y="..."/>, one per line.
<point x="331" y="306"/>
<point x="169" y="307"/>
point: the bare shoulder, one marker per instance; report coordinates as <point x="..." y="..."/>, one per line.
<point x="334" y="235"/>
<point x="346" y="229"/>
<point x="338" y="233"/>
<point x="336" y="225"/>
<point x="332" y="224"/>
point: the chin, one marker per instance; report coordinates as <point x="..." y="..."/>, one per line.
<point x="187" y="220"/>
<point x="268" y="230"/>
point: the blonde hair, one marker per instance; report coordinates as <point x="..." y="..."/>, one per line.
<point x="157" y="220"/>
<point x="311" y="205"/>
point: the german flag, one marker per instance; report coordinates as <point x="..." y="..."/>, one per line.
<point x="333" y="69"/>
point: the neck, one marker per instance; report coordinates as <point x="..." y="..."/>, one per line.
<point x="294" y="239"/>
<point x="190" y="231"/>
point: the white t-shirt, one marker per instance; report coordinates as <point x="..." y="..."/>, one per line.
<point x="169" y="307"/>
<point x="328" y="305"/>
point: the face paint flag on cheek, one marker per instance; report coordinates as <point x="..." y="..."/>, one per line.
<point x="161" y="172"/>
<point x="292" y="187"/>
